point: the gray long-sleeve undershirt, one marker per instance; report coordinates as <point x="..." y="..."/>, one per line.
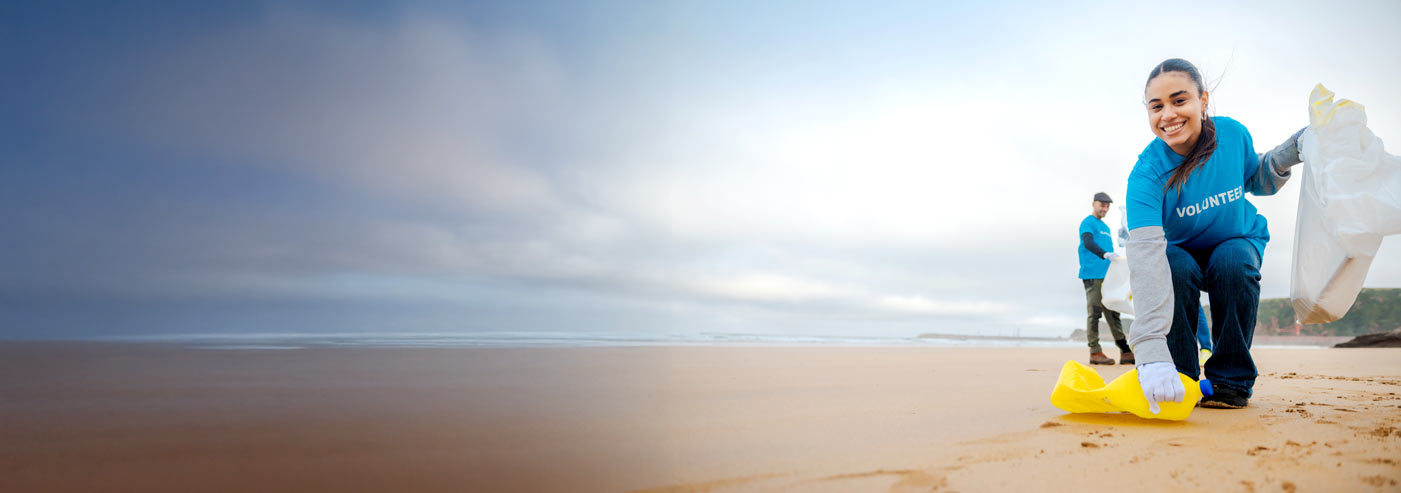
<point x="1273" y="170"/>
<point x="1088" y="240"/>
<point x="1150" y="277"/>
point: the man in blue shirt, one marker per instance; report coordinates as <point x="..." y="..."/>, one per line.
<point x="1096" y="251"/>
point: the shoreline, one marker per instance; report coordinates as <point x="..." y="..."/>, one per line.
<point x="433" y="340"/>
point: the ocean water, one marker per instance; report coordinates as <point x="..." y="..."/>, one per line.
<point x="286" y="341"/>
<point x="289" y="341"/>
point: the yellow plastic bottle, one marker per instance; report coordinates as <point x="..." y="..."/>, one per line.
<point x="1081" y="390"/>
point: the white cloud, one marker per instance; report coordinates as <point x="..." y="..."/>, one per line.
<point x="1054" y="322"/>
<point x="926" y="306"/>
<point x="769" y="288"/>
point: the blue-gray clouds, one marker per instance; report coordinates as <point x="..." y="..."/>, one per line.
<point x="663" y="167"/>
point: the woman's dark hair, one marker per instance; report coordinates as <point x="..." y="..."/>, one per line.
<point x="1206" y="141"/>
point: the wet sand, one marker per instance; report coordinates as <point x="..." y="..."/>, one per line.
<point x="146" y="417"/>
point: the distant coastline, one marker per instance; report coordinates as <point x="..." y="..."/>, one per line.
<point x="1376" y="311"/>
<point x="1079" y="336"/>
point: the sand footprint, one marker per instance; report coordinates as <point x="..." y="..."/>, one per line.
<point x="1379" y="481"/>
<point x="1385" y="432"/>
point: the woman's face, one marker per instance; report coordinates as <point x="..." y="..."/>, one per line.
<point x="1175" y="110"/>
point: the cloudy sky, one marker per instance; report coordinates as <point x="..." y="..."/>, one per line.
<point x="828" y="168"/>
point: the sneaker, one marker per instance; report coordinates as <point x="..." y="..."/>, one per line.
<point x="1225" y="398"/>
<point x="1100" y="359"/>
<point x="1206" y="353"/>
<point x="1126" y="358"/>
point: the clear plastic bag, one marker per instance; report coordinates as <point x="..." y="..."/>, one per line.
<point x="1349" y="199"/>
<point x="1115" y="293"/>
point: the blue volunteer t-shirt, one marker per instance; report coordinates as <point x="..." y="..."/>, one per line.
<point x="1210" y="207"/>
<point x="1093" y="266"/>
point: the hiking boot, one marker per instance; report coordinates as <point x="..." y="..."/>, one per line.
<point x="1126" y="357"/>
<point x="1100" y="359"/>
<point x="1225" y="398"/>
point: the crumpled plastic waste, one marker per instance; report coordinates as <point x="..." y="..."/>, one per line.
<point x="1350" y="197"/>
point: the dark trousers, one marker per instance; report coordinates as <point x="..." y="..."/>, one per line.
<point x="1094" y="307"/>
<point x="1230" y="275"/>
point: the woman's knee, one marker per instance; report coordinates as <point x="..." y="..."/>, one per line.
<point x="1234" y="262"/>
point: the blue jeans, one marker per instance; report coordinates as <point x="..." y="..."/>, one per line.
<point x="1203" y="331"/>
<point x="1230" y="275"/>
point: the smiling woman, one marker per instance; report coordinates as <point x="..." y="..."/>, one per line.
<point x="1176" y="100"/>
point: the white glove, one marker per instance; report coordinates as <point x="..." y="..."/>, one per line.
<point x="1112" y="256"/>
<point x="1160" y="384"/>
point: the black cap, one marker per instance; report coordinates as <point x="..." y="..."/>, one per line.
<point x="1103" y="197"/>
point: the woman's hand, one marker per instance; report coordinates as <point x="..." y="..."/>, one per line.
<point x="1160" y="384"/>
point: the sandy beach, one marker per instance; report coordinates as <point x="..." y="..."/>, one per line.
<point x="148" y="417"/>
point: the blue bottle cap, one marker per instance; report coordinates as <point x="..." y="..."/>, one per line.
<point x="1205" y="385"/>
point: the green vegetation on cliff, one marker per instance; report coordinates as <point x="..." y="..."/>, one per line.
<point x="1376" y="310"/>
